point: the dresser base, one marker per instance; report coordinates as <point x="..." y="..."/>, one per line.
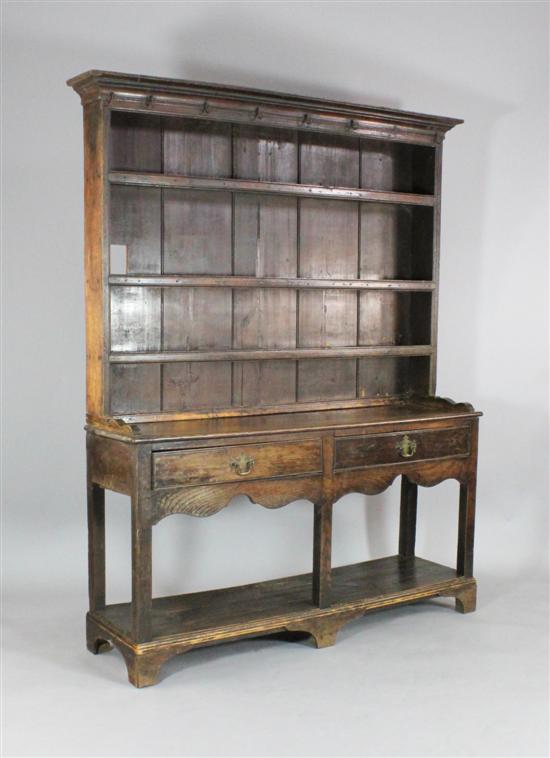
<point x="279" y="606"/>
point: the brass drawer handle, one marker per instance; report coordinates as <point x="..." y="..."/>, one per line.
<point x="407" y="447"/>
<point x="242" y="465"/>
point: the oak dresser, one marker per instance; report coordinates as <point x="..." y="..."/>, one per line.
<point x="261" y="300"/>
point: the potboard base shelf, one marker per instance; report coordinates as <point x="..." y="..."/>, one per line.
<point x="283" y="605"/>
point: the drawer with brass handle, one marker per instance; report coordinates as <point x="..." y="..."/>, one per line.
<point x="236" y="462"/>
<point x="380" y="449"/>
<point x="242" y="465"/>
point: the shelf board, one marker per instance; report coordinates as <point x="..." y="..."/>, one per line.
<point x="166" y="280"/>
<point x="138" y="179"/>
<point x="267" y="607"/>
<point x="266" y="355"/>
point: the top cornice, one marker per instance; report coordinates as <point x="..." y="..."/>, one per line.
<point x="162" y="95"/>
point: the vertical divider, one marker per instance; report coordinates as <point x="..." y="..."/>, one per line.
<point x="407" y="518"/>
<point x="436" y="220"/>
<point x="467" y="510"/>
<point x="162" y="341"/>
<point x="298" y="273"/>
<point x="142" y="587"/>
<point x="96" y="535"/>
<point x="359" y="215"/>
<point x="232" y="298"/>
<point x="106" y="187"/>
<point x="322" y="531"/>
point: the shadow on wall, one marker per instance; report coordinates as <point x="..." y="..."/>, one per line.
<point x="474" y="144"/>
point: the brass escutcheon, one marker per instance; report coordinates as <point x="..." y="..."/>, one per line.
<point x="242" y="465"/>
<point x="407" y="447"/>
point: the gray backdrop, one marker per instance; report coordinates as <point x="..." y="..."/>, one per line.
<point x="479" y="681"/>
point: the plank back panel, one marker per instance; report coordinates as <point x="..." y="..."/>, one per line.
<point x="172" y="231"/>
<point x="328" y="250"/>
<point x="397" y="167"/>
<point x="136" y="225"/>
<point x="197" y="229"/>
<point x="396" y="242"/>
<point x="135" y="389"/>
<point x="329" y="160"/>
<point x="394" y="318"/>
<point x="265" y="245"/>
<point x="195" y="386"/>
<point x="391" y="377"/>
<point x="135" y="142"/>
<point x="196" y="148"/>
<point x="268" y="155"/>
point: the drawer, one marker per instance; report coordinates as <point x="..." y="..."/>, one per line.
<point x="413" y="445"/>
<point x="236" y="463"/>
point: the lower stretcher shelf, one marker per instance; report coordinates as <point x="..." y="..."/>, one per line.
<point x="264" y="607"/>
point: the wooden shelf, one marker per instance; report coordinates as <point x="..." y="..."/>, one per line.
<point x="266" y="607"/>
<point x="138" y="179"/>
<point x="143" y="280"/>
<point x="266" y="355"/>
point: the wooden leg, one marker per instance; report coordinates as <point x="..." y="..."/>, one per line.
<point x="324" y="635"/>
<point x="96" y="546"/>
<point x="144" y="667"/>
<point x="324" y="630"/>
<point x="407" y="522"/>
<point x="465" y="600"/>
<point x="143" y="670"/>
<point x="141" y="569"/>
<point x="466" y="522"/>
<point x="95" y="639"/>
<point x="322" y="558"/>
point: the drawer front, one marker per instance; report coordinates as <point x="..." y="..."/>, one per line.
<point x="236" y="463"/>
<point x="379" y="449"/>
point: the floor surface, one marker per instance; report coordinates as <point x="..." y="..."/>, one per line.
<point x="415" y="681"/>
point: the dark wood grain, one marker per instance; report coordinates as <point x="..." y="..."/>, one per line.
<point x="330" y="161"/>
<point x="407" y="520"/>
<point x="236" y="282"/>
<point x="135" y="389"/>
<point x="136" y="142"/>
<point x="390" y="377"/>
<point x="196" y="148"/>
<point x="183" y="622"/>
<point x="394" y="318"/>
<point x="142" y="548"/>
<point x="196" y="386"/>
<point x="96" y="212"/>
<point x="371" y="450"/>
<point x="230" y="103"/>
<point x="466" y="514"/>
<point x="217" y="464"/>
<point x="309" y="191"/>
<point x="110" y="463"/>
<point x="189" y="356"/>
<point x="201" y="616"/>
<point x="96" y="532"/>
<point x="135" y="222"/>
<point x="322" y="532"/>
<point x="396" y="416"/>
<point x="396" y="242"/>
<point x="397" y="166"/>
<point x="197" y="240"/>
<point x="265" y="154"/>
<point x="205" y="500"/>
<point x="327" y="319"/>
